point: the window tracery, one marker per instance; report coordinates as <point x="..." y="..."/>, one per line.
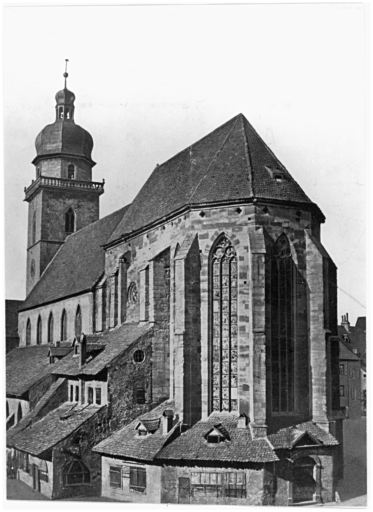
<point x="282" y="329"/>
<point x="224" y="327"/>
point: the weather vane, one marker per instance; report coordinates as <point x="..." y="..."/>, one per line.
<point x="66" y="74"/>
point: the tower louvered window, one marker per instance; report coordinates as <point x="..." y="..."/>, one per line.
<point x="282" y="329"/>
<point x="223" y="275"/>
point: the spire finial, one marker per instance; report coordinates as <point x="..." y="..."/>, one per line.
<point x="66" y="74"/>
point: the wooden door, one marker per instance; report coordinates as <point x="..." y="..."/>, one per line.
<point x="184" y="490"/>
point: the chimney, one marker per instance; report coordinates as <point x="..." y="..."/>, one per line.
<point x="167" y="421"/>
<point x="83" y="350"/>
<point x="242" y="421"/>
<point x="345" y="323"/>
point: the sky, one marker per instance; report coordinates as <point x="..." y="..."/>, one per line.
<point x="151" y="80"/>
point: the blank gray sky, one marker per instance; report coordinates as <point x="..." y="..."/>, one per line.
<point x="149" y="81"/>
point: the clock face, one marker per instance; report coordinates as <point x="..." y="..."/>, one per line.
<point x="32" y="269"/>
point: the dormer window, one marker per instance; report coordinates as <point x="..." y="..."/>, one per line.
<point x="217" y="435"/>
<point x="278" y="178"/>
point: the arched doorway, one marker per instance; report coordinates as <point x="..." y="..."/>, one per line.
<point x="304" y="482"/>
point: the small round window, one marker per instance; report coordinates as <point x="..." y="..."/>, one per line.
<point x="138" y="356"/>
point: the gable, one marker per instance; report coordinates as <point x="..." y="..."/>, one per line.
<point x="305" y="439"/>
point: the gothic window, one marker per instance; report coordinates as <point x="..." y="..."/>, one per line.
<point x="19" y="413"/>
<point x="33" y="227"/>
<point x="282" y="337"/>
<point x="50" y="328"/>
<point x="28" y="332"/>
<point x="78" y="322"/>
<point x="39" y="331"/>
<point x="223" y="278"/>
<point x="70" y="221"/>
<point x="132" y="294"/>
<point x="76" y="473"/>
<point x="71" y="172"/>
<point x="63" y="325"/>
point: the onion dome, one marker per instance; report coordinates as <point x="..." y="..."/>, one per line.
<point x="64" y="137"/>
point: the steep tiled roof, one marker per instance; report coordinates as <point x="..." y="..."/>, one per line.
<point x="78" y="264"/>
<point x="116" y="341"/>
<point x="127" y="443"/>
<point x="356" y="336"/>
<point x="192" y="445"/>
<point x="51" y="429"/>
<point x="345" y="352"/>
<point x="25" y="366"/>
<point x="230" y="164"/>
<point x="11" y="317"/>
<point x="30" y="418"/>
<point x="284" y="438"/>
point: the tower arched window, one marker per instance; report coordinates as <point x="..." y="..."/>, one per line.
<point x="282" y="327"/>
<point x="70" y="221"/>
<point x="33" y="227"/>
<point x="71" y="172"/>
<point x="78" y="322"/>
<point x="223" y="326"/>
<point x="50" y="328"/>
<point x="39" y="331"/>
<point x="63" y="325"/>
<point x="28" y="332"/>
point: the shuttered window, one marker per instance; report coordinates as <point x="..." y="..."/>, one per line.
<point x="138" y="479"/>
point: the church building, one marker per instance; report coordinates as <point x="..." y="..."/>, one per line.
<point x="193" y="354"/>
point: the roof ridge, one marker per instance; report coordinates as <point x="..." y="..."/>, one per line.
<point x="213" y="159"/>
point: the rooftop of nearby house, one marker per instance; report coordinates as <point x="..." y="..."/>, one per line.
<point x="127" y="442"/>
<point x="231" y="164"/>
<point x="304" y="434"/>
<point x="346" y="352"/>
<point x="25" y="366"/>
<point x="78" y="264"/>
<point x="104" y="351"/>
<point x="237" y="444"/>
<point x="53" y="428"/>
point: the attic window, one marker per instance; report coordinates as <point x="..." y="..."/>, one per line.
<point x="278" y="178"/>
<point x="214" y="438"/>
<point x="138" y="356"/>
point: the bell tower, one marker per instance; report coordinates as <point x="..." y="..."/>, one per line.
<point x="62" y="198"/>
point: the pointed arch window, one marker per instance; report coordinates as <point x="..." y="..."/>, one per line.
<point x="28" y="332"/>
<point x="282" y="327"/>
<point x="78" y="322"/>
<point x="223" y="314"/>
<point x="50" y="328"/>
<point x="70" y="221"/>
<point x="39" y="331"/>
<point x="63" y="325"/>
<point x="19" y="413"/>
